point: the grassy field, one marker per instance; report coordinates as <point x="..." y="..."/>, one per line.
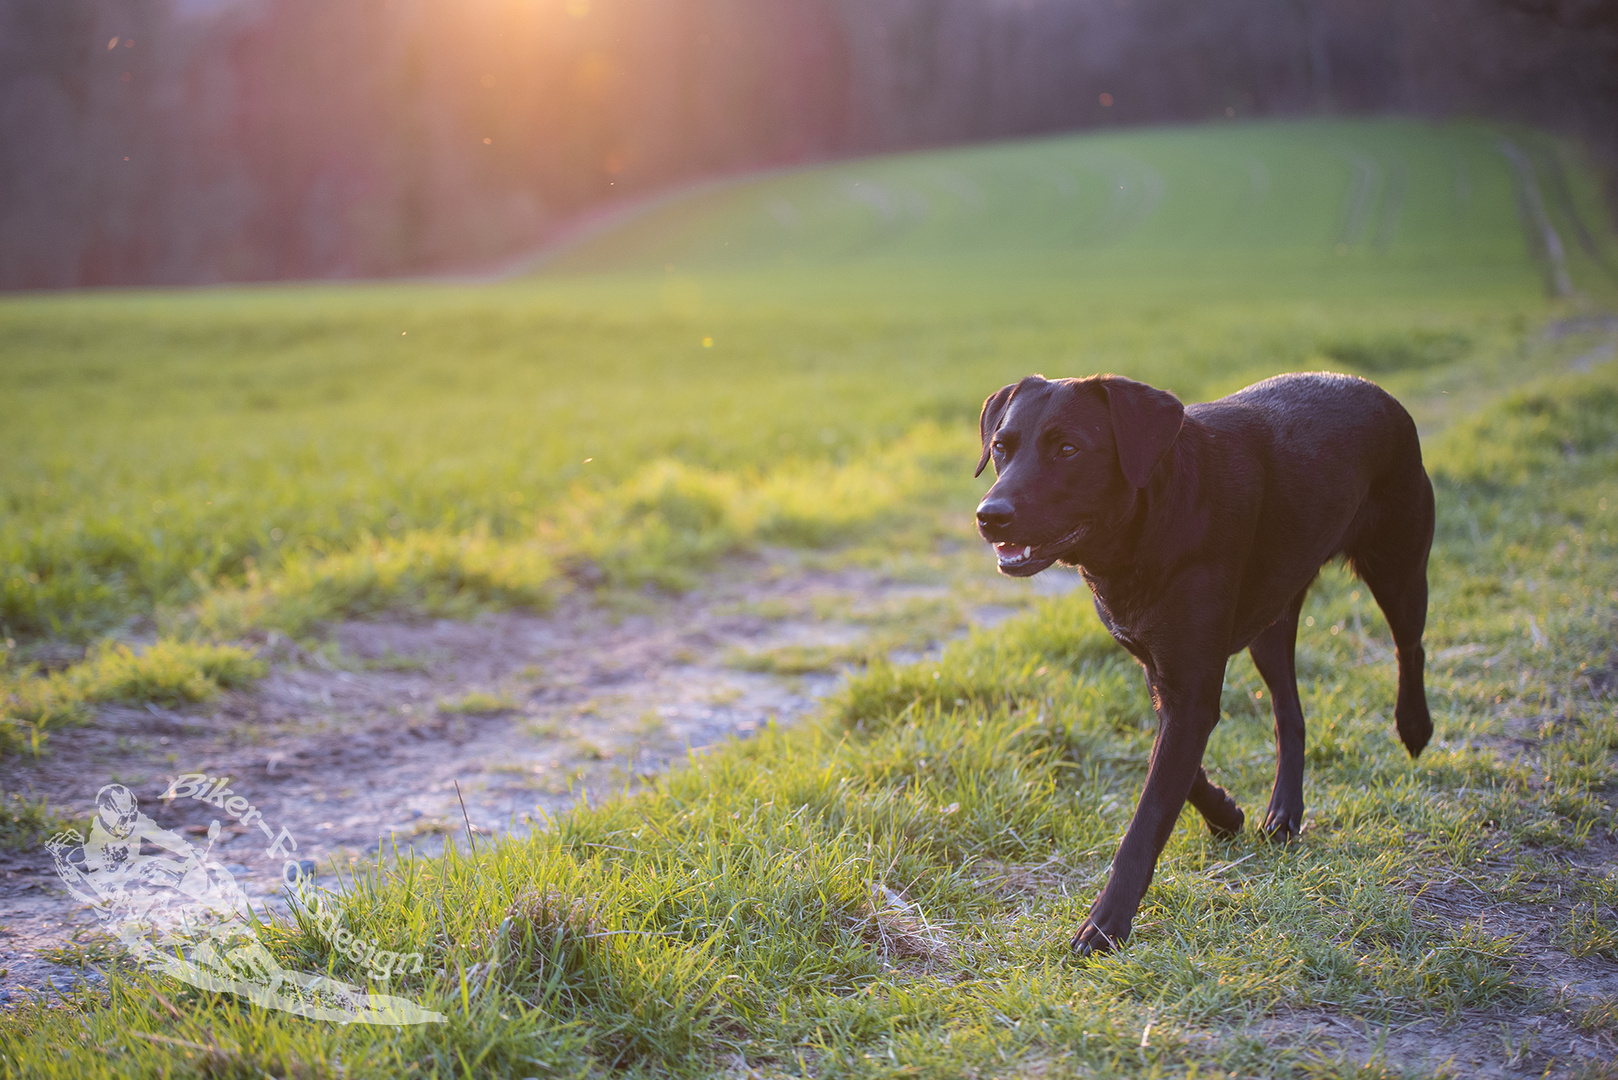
<point x="160" y="444"/>
<point x="798" y="361"/>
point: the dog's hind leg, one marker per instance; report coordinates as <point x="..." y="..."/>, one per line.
<point x="1225" y="819"/>
<point x="1272" y="653"/>
<point x="1391" y="558"/>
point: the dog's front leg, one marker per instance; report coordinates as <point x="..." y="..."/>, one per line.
<point x="1187" y="710"/>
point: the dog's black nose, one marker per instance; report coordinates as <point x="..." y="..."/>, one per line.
<point x="994" y="514"/>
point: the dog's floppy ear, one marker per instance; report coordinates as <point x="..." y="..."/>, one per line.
<point x="1145" y="423"/>
<point x="994" y="407"/>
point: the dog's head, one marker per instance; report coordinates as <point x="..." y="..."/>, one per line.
<point x="1069" y="455"/>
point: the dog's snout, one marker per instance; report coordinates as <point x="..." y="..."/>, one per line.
<point x="994" y="514"/>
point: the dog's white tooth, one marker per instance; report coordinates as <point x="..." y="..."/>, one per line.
<point x="1027" y="551"/>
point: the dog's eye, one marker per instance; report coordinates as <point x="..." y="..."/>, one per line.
<point x="1067" y="449"/>
<point x="998" y="447"/>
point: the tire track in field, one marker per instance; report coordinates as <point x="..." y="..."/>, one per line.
<point x="1364" y="183"/>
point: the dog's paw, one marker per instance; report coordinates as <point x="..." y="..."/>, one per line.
<point x="1282" y="823"/>
<point x="1099" y="934"/>
<point x="1415" y="724"/>
<point x="1091" y="940"/>
<point x="1227" y="825"/>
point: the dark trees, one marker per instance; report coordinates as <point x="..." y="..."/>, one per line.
<point x="176" y="141"/>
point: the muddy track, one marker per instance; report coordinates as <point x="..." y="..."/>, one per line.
<point x="374" y="742"/>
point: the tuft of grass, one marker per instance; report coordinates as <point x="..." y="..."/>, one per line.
<point x="802" y="659"/>
<point x="167" y="673"/>
<point x="669" y="521"/>
<point x="479" y="703"/>
<point x="1509" y="445"/>
<point x="25" y="822"/>
<point x="87" y="950"/>
<point x="1388" y="353"/>
<point x="899" y="930"/>
<point x="1598" y="1015"/>
<point x="431" y="573"/>
<point x="31" y="706"/>
<point x="164" y="673"/>
<point x="1589" y="930"/>
<point x="989" y="667"/>
<point x="396" y="662"/>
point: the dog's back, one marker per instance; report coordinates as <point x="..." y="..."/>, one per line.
<point x="1338" y="423"/>
<point x="1318" y="441"/>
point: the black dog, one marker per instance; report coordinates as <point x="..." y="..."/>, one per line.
<point x="1200" y="530"/>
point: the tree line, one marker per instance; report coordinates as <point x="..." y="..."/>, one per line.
<point x="186" y="141"/>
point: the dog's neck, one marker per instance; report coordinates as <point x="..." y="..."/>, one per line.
<point x="1128" y="562"/>
<point x="1106" y="550"/>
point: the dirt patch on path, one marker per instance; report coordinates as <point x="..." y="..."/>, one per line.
<point x="373" y="742"/>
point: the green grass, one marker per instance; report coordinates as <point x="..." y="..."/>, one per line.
<point x="159" y="444"/>
<point x="889" y="889"/>
<point x="166" y="673"/>
<point x="26" y="823"/>
<point x="1321" y="203"/>
<point x="479" y="703"/>
<point x="224" y="464"/>
<point x="894" y="627"/>
<point x="738" y="906"/>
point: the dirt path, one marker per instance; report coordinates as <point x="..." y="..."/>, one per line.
<point x="362" y="745"/>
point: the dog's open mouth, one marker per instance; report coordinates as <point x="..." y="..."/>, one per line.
<point x="1013" y="554"/>
<point x="1020" y="560"/>
<point x="1026" y="560"/>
